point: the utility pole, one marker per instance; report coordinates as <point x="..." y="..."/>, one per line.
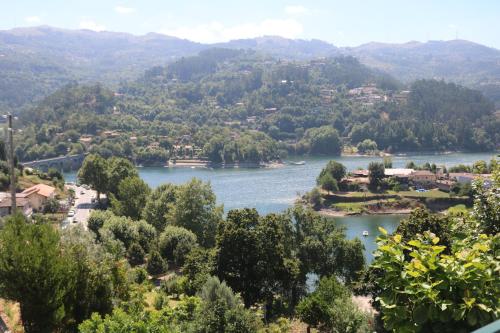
<point x="11" y="164"/>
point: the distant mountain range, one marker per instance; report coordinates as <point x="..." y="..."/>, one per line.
<point x="35" y="61"/>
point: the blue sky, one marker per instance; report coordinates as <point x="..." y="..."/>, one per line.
<point x="343" y="23"/>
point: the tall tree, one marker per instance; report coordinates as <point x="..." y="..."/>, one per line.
<point x="94" y="172"/>
<point x="36" y="273"/>
<point x="131" y="197"/>
<point x="195" y="209"/>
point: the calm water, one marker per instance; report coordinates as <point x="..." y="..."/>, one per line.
<point x="273" y="190"/>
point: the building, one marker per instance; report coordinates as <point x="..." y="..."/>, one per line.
<point x="424" y="177"/>
<point x="38" y="195"/>
<point x="23" y="204"/>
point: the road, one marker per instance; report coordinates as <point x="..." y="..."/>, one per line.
<point x="83" y="204"/>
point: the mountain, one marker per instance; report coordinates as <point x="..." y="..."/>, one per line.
<point x="284" y="47"/>
<point x="459" y="61"/>
<point x="36" y="61"/>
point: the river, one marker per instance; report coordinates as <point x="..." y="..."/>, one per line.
<point x="275" y="189"/>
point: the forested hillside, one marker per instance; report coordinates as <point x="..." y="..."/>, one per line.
<point x="241" y="106"/>
<point x="34" y="62"/>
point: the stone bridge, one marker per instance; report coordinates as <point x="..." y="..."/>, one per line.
<point x="61" y="163"/>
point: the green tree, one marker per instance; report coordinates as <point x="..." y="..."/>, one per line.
<point x="335" y="169"/>
<point x="195" y="209"/>
<point x="131" y="197"/>
<point x="222" y="311"/>
<point x="331" y="309"/>
<point x="156" y="265"/>
<point x="324" y="140"/>
<point x="328" y="183"/>
<point x="376" y="173"/>
<point x="118" y="170"/>
<point x="367" y="146"/>
<point x="94" y="172"/>
<point x="159" y="204"/>
<point x="135" y="254"/>
<point x="175" y="243"/>
<point x="35" y="273"/>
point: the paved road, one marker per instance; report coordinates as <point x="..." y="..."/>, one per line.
<point x="83" y="204"/>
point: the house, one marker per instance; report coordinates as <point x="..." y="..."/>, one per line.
<point x="22" y="204"/>
<point x="467" y="178"/>
<point x="422" y="177"/>
<point x="38" y="195"/>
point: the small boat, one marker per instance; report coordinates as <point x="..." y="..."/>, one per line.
<point x="298" y="163"/>
<point x="365" y="233"/>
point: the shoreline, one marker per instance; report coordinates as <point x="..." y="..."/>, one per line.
<point x="328" y="212"/>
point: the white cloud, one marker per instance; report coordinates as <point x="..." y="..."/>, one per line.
<point x="296" y="10"/>
<point x="124" y="10"/>
<point x="91" y="25"/>
<point x="216" y="32"/>
<point x="32" y="19"/>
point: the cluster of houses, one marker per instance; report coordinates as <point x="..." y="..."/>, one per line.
<point x="421" y="178"/>
<point x="369" y="95"/>
<point x="28" y="201"/>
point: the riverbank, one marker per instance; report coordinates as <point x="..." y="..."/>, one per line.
<point x="328" y="212"/>
<point x="207" y="164"/>
<point x="390" y="203"/>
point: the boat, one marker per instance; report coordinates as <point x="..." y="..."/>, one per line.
<point x="298" y="163"/>
<point x="365" y="233"/>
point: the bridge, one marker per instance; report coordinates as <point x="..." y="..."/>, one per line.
<point x="61" y="163"/>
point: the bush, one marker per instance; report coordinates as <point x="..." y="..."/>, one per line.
<point x="52" y="205"/>
<point x="141" y="275"/>
<point x="156" y="264"/>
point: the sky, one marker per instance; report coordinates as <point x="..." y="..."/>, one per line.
<point x="343" y="23"/>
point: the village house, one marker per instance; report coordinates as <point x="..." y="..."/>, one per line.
<point x="22" y="204"/>
<point x="38" y="195"/>
<point x="423" y="177"/>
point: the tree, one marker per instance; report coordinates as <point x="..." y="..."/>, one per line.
<point x="94" y="172"/>
<point x="100" y="281"/>
<point x="328" y="183"/>
<point x="367" y="146"/>
<point x="35" y="273"/>
<point x="159" y="204"/>
<point x="335" y="169"/>
<point x="376" y="172"/>
<point x="421" y="220"/>
<point x="156" y="265"/>
<point x="238" y="253"/>
<point x="486" y="210"/>
<point x="131" y="197"/>
<point x="324" y="140"/>
<point x="52" y="205"/>
<point x="135" y="254"/>
<point x="118" y="170"/>
<point x="222" y="311"/>
<point x="430" y="291"/>
<point x="175" y="243"/>
<point x="323" y="249"/>
<point x="195" y="209"/>
<point x="331" y="309"/>
<point x="97" y="219"/>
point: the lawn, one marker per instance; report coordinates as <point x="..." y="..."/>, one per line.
<point x="428" y="194"/>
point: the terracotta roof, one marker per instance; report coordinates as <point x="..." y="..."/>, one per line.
<point x="422" y="173"/>
<point x="6" y="202"/>
<point x="41" y="189"/>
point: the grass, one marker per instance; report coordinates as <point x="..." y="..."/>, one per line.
<point x="428" y="194"/>
<point x="457" y="210"/>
